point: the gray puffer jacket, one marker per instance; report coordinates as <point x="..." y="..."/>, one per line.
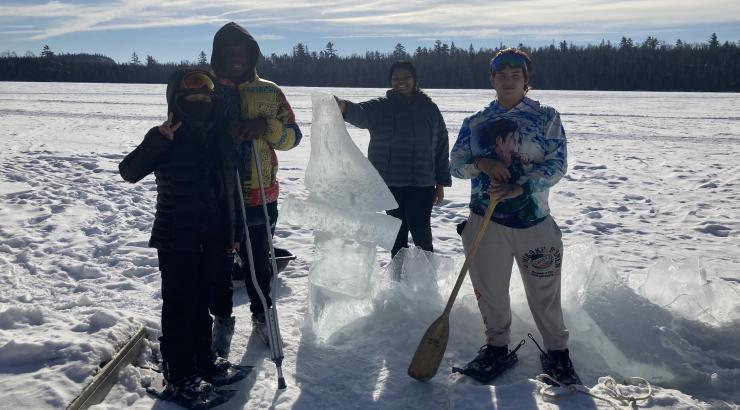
<point x="409" y="145"/>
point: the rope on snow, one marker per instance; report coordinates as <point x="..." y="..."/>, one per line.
<point x="616" y="399"/>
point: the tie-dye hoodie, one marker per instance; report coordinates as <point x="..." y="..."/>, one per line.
<point x="530" y="140"/>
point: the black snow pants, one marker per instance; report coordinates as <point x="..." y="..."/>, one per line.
<point x="186" y="324"/>
<point x="415" y="212"/>
<point x="261" y="251"/>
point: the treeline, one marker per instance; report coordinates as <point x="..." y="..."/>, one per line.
<point x="651" y="65"/>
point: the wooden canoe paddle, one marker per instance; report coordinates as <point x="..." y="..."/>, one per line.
<point x="432" y="346"/>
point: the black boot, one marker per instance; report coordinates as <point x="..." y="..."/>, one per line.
<point x="490" y="362"/>
<point x="557" y="364"/>
<point x="220" y="372"/>
<point x="259" y="327"/>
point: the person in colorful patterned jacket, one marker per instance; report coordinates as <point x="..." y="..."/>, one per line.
<point x="257" y="113"/>
<point x="514" y="150"/>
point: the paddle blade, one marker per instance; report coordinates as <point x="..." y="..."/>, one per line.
<point x="432" y="347"/>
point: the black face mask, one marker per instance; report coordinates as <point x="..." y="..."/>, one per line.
<point x="200" y="111"/>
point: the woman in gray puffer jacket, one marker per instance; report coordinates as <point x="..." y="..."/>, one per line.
<point x="409" y="147"/>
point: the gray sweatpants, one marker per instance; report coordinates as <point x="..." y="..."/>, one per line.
<point x="538" y="252"/>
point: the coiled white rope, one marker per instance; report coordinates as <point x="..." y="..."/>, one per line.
<point x="618" y="399"/>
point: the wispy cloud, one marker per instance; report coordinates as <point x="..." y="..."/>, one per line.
<point x="15" y="32"/>
<point x="373" y="18"/>
<point x="268" y="37"/>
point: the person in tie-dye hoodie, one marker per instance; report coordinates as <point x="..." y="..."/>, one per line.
<point x="513" y="151"/>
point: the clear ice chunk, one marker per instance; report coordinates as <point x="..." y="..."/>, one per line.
<point x="348" y="274"/>
<point x="365" y="227"/>
<point x="337" y="172"/>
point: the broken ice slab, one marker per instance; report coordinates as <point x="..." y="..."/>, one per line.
<point x="364" y="227"/>
<point x="337" y="171"/>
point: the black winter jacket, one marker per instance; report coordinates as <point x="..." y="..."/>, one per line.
<point x="409" y="145"/>
<point x="196" y="188"/>
<point x="197" y="191"/>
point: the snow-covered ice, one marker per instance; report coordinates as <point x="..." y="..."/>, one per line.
<point x="650" y="213"/>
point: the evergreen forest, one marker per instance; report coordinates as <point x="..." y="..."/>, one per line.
<point x="651" y="65"/>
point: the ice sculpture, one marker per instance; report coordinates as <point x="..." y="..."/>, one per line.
<point x="345" y="195"/>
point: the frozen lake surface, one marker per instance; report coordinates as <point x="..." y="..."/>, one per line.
<point x="650" y="213"/>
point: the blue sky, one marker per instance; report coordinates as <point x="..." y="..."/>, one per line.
<point x="173" y="30"/>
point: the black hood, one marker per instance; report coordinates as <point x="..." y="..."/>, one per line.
<point x="173" y="93"/>
<point x="230" y="34"/>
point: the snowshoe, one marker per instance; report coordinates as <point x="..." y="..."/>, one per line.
<point x="222" y="372"/>
<point x="192" y="393"/>
<point x="223" y="330"/>
<point x="557" y="364"/>
<point x="490" y="362"/>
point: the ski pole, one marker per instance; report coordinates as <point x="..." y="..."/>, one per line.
<point x="273" y="326"/>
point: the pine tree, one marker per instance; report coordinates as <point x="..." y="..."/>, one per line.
<point x="202" y="59"/>
<point x="330" y="51"/>
<point x="650" y="42"/>
<point x="135" y="59"/>
<point x="625" y="43"/>
<point x="300" y="51"/>
<point x="713" y="41"/>
<point x="46" y="52"/>
<point x="399" y="52"/>
<point x="150" y="61"/>
<point x="440" y="48"/>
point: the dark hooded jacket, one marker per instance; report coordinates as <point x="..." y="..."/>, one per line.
<point x="230" y="34"/>
<point x="245" y="99"/>
<point x="409" y="145"/>
<point x="196" y="180"/>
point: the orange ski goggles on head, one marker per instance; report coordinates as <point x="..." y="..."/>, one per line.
<point x="197" y="81"/>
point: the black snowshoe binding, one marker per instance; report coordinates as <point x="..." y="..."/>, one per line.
<point x="490" y="362"/>
<point x="192" y="393"/>
<point x="221" y="372"/>
<point x="557" y="364"/>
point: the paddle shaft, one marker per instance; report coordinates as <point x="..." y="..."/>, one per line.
<point x="433" y="344"/>
<point x="469" y="257"/>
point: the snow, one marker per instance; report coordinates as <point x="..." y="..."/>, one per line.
<point x="649" y="210"/>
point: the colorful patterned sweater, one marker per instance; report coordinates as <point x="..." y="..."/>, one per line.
<point x="261" y="98"/>
<point x="530" y="140"/>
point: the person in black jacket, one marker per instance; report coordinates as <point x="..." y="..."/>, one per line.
<point x="409" y="147"/>
<point x="196" y="224"/>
